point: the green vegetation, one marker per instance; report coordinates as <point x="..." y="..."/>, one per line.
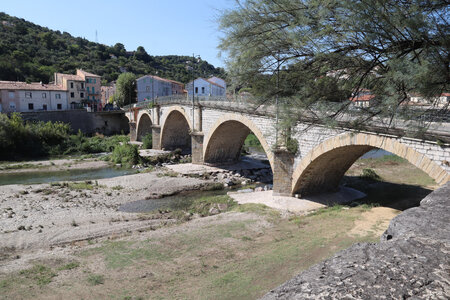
<point x="147" y="142"/>
<point x="126" y="89"/>
<point x="22" y="140"/>
<point x="95" y="279"/>
<point x="125" y="154"/>
<point x="40" y="274"/>
<point x="29" y="52"/>
<point x="370" y="174"/>
<point x="69" y="266"/>
<point x="252" y="141"/>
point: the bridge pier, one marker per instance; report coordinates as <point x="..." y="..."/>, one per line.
<point x="197" y="147"/>
<point x="283" y="166"/>
<point x="133" y="132"/>
<point x="156" y="137"/>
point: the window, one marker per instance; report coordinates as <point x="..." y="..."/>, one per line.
<point x="59" y="106"/>
<point x="82" y="95"/>
<point x="72" y="95"/>
<point x="203" y="89"/>
<point x="82" y="85"/>
<point x="44" y="95"/>
<point x="28" y="95"/>
<point x="57" y="96"/>
<point x="11" y="95"/>
<point x="71" y="85"/>
<point x="12" y="105"/>
<point x="147" y="88"/>
<point x="95" y="80"/>
<point x="30" y="106"/>
<point x="196" y="90"/>
<point x="44" y="106"/>
<point x="87" y="88"/>
<point x="93" y="90"/>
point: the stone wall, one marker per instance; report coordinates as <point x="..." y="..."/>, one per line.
<point x="107" y="123"/>
<point x="411" y="260"/>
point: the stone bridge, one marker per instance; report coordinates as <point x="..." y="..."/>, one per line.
<point x="215" y="133"/>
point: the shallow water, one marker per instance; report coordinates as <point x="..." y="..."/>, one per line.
<point x="376" y="153"/>
<point x="72" y="175"/>
<point x="179" y="201"/>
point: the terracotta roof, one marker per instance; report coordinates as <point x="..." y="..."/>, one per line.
<point x="34" y="86"/>
<point x="362" y="98"/>
<point x="445" y="95"/>
<point x="87" y="73"/>
<point x="70" y="76"/>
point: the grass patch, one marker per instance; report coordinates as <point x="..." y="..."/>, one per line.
<point x="69" y="266"/>
<point x="19" y="166"/>
<point x="95" y="279"/>
<point x="39" y="274"/>
<point x="167" y="174"/>
<point x="257" y="208"/>
<point x="117" y="187"/>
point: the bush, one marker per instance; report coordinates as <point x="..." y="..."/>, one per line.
<point x="147" y="142"/>
<point x="370" y="174"/>
<point x="125" y="154"/>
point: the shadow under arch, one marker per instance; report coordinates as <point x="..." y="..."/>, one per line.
<point x="322" y="168"/>
<point x="144" y="126"/>
<point x="226" y="138"/>
<point x="175" y="131"/>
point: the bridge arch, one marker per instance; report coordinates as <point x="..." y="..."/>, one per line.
<point x="144" y="126"/>
<point x="323" y="167"/>
<point x="226" y="138"/>
<point x="175" y="129"/>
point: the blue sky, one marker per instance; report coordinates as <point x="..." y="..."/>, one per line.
<point x="162" y="27"/>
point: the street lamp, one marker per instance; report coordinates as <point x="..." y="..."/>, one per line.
<point x="195" y="58"/>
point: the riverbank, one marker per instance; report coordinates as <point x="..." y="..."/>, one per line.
<point x="70" y="240"/>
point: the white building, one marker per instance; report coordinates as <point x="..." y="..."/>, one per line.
<point x="214" y="86"/>
<point x="150" y="87"/>
<point x="23" y="97"/>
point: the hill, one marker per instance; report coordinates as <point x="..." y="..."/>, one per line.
<point x="29" y="52"/>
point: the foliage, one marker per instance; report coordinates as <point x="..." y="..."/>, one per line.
<point x="95" y="279"/>
<point x="370" y="174"/>
<point x="125" y="154"/>
<point x="29" y="52"/>
<point x="126" y="89"/>
<point x="41" y="274"/>
<point x="147" y="141"/>
<point x="317" y="52"/>
<point x="19" y="139"/>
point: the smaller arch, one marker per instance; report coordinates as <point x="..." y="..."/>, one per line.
<point x="144" y="126"/>
<point x="226" y="137"/>
<point x="175" y="130"/>
<point x="323" y="167"/>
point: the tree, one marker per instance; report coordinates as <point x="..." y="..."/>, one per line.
<point x="142" y="55"/>
<point x="339" y="47"/>
<point x="126" y="89"/>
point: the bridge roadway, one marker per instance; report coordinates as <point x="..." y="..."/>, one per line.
<point x="215" y="132"/>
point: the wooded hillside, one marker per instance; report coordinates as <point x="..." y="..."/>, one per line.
<point x="29" y="52"/>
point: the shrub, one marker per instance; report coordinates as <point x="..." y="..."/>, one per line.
<point x="125" y="154"/>
<point x="147" y="142"/>
<point x="370" y="174"/>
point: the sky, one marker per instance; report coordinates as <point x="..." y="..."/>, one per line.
<point x="162" y="27"/>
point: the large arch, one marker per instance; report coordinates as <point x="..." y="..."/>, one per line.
<point x="226" y="138"/>
<point x="144" y="126"/>
<point x="323" y="167"/>
<point x="175" y="131"/>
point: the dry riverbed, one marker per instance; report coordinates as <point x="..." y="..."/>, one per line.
<point x="68" y="240"/>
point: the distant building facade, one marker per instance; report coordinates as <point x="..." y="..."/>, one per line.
<point x="107" y="91"/>
<point x="84" y="89"/>
<point x="150" y="87"/>
<point x="22" y="97"/>
<point x="213" y="86"/>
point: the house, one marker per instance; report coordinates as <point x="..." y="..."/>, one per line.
<point x="213" y="86"/>
<point x="362" y="98"/>
<point x="22" y="97"/>
<point x="150" y="87"/>
<point x="84" y="89"/>
<point x="439" y="101"/>
<point x="107" y="91"/>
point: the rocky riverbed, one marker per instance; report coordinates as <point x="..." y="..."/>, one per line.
<point x="411" y="261"/>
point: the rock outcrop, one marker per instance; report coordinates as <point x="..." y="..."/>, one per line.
<point x="411" y="261"/>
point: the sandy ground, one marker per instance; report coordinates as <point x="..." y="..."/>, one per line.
<point x="296" y="205"/>
<point x="55" y="165"/>
<point x="33" y="216"/>
<point x="375" y="220"/>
